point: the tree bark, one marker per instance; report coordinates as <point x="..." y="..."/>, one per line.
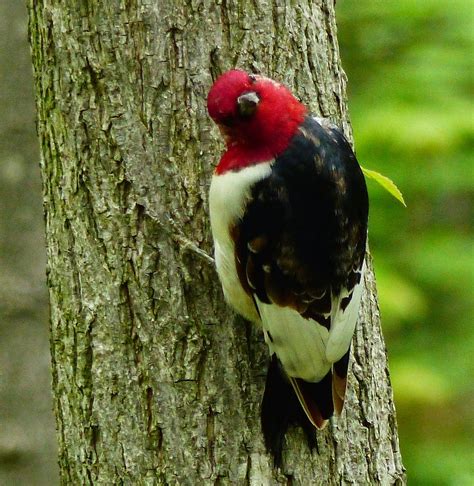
<point x="155" y="380"/>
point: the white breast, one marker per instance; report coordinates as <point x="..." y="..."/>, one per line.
<point x="228" y="197"/>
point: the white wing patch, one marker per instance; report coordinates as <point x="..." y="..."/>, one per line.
<point x="299" y="343"/>
<point x="307" y="349"/>
<point x="343" y="322"/>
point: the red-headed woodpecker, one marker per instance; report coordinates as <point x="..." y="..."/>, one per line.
<point x="289" y="207"/>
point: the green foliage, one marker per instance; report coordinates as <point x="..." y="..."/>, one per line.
<point x="385" y="182"/>
<point x="410" y="71"/>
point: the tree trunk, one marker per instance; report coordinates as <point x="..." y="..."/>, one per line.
<point x="155" y="380"/>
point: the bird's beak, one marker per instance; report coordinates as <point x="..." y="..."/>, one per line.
<point x="248" y="103"/>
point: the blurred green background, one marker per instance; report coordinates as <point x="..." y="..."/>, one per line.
<point x="410" y="77"/>
<point x="410" y="71"/>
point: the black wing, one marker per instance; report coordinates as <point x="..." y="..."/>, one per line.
<point x="303" y="235"/>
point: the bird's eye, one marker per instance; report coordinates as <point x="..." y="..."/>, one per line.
<point x="247" y="104"/>
<point x="253" y="78"/>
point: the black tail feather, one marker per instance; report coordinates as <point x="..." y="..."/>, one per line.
<point x="280" y="409"/>
<point x="316" y="399"/>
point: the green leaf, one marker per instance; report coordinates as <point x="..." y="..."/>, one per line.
<point x="385" y="182"/>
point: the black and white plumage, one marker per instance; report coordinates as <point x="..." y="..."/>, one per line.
<point x="290" y="237"/>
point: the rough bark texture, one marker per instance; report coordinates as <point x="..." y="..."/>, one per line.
<point x="155" y="380"/>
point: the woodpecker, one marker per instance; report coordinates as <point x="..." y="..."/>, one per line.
<point x="288" y="209"/>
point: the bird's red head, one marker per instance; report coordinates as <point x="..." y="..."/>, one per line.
<point x="256" y="115"/>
